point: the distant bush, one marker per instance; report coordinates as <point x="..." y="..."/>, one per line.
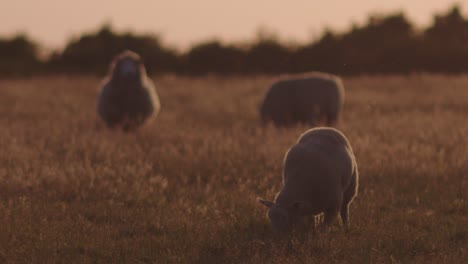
<point x="385" y="44"/>
<point x="444" y="45"/>
<point x="268" y="56"/>
<point x="92" y="53"/>
<point x="323" y="55"/>
<point x="213" y="57"/>
<point x="19" y="56"/>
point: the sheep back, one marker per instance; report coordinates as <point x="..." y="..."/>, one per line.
<point x="313" y="98"/>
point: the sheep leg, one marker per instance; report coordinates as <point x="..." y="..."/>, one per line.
<point x="312" y="121"/>
<point x="331" y="119"/>
<point x="347" y="198"/>
<point x="284" y="119"/>
<point x="345" y="215"/>
<point x="315" y="117"/>
<point x="329" y="217"/>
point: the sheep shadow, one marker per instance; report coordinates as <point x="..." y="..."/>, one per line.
<point x="241" y="243"/>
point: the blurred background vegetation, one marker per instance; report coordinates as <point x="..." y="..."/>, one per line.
<point x="386" y="44"/>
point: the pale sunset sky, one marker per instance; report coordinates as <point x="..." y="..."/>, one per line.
<point x="181" y="23"/>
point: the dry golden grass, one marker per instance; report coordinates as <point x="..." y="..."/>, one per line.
<point x="183" y="188"/>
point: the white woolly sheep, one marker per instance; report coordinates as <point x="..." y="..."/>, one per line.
<point x="320" y="176"/>
<point x="128" y="97"/>
<point x="314" y="98"/>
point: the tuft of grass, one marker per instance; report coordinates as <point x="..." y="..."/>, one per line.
<point x="183" y="188"/>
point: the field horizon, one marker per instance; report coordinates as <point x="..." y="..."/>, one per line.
<point x="183" y="188"/>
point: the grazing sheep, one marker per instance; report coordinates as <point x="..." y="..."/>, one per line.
<point x="128" y="97"/>
<point x="314" y="98"/>
<point x="320" y="176"/>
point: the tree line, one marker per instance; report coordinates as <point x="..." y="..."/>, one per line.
<point x="386" y="44"/>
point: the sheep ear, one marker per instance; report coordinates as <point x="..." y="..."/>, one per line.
<point x="265" y="202"/>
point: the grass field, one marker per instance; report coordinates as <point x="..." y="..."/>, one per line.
<point x="183" y="189"/>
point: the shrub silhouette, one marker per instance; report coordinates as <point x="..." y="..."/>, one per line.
<point x="380" y="46"/>
<point x="385" y="44"/>
<point x="268" y="56"/>
<point x="92" y="53"/>
<point x="19" y="56"/>
<point x="213" y="57"/>
<point x="444" y="44"/>
<point x="324" y="55"/>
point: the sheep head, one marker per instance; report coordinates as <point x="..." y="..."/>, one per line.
<point x="127" y="66"/>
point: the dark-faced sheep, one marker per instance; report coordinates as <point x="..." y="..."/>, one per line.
<point x="128" y="97"/>
<point x="314" y="99"/>
<point x="320" y="176"/>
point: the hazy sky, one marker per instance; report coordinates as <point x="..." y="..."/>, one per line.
<point x="180" y="23"/>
